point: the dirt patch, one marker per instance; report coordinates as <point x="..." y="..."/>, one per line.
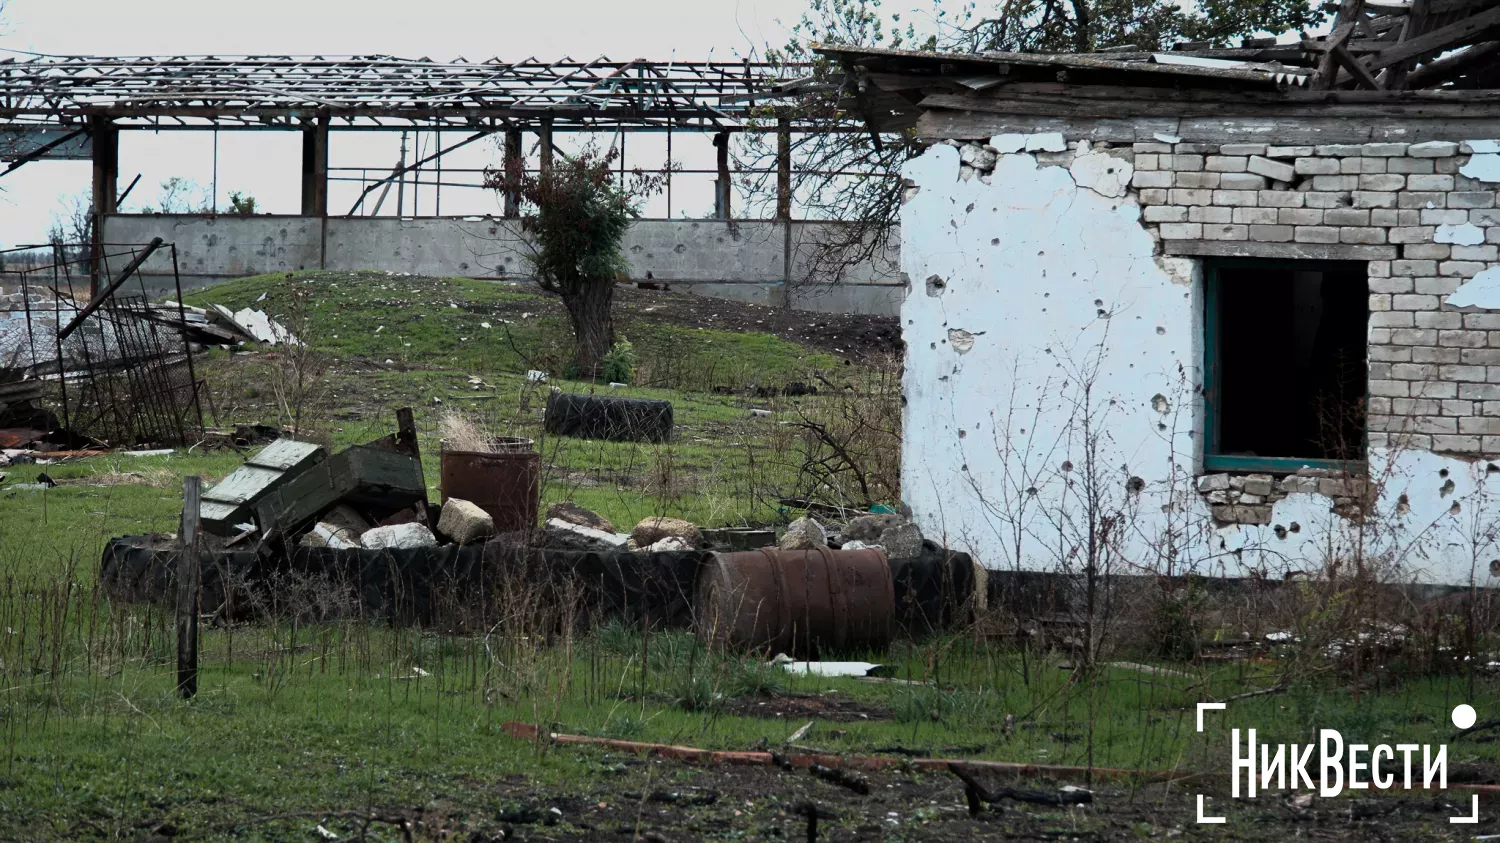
<point x="832" y="707"/>
<point x="659" y="800"/>
<point x="851" y="337"/>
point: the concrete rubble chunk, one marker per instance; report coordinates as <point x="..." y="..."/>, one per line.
<point x="903" y="541"/>
<point x="869" y="527"/>
<point x="324" y="534"/>
<point x="575" y="514"/>
<point x="464" y="522"/>
<point x="399" y="537"/>
<point x="566" y="535"/>
<point x="803" y="534"/>
<point x="856" y="544"/>
<point x="651" y="530"/>
<point x="670" y="544"/>
<point x="977" y="157"/>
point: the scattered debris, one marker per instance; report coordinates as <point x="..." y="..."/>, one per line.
<point x="803" y="534"/>
<point x="575" y="514"/>
<point x="464" y="523"/>
<point x="232" y="499"/>
<point x="654" y="529"/>
<point x="842" y="778"/>
<point x="856" y="669"/>
<point x="567" y="535"/>
<point x="399" y="536"/>
<point x="324" y="534"/>
<point x="670" y="544"/>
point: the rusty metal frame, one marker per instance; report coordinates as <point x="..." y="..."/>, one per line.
<point x="384" y="92"/>
<point x="125" y="374"/>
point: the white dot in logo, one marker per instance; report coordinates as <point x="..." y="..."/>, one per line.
<point x="1464" y="716"/>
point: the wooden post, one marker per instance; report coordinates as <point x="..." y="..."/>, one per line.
<point x="106" y="157"/>
<point x="544" y="135"/>
<point x="723" y="190"/>
<point x="515" y="169"/>
<point x="188" y="583"/>
<point x="315" y="168"/>
<point x="784" y="168"/>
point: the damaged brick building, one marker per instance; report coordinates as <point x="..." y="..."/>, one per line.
<point x="1233" y="312"/>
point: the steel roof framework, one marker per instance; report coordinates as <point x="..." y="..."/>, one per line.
<point x="384" y="92"/>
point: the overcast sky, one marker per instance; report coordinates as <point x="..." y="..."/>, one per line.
<point x="265" y="164"/>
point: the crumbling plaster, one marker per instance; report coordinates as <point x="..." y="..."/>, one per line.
<point x="1032" y="282"/>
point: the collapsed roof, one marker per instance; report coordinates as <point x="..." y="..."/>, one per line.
<point x="1423" y="58"/>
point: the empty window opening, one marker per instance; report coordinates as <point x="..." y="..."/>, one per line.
<point x="1286" y="364"/>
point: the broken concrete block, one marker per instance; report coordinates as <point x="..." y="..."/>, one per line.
<point x="399" y="537"/>
<point x="1275" y="170"/>
<point x="867" y="528"/>
<point x="1213" y="483"/>
<point x="803" y="534"/>
<point x="977" y="157"/>
<point x="670" y="544"/>
<point x="903" y="541"/>
<point x="575" y="514"/>
<point x="345" y="518"/>
<point x="1259" y="484"/>
<point x="464" y="522"/>
<point x="856" y="544"/>
<point x="324" y="534"/>
<point x="656" y="528"/>
<point x="569" y="536"/>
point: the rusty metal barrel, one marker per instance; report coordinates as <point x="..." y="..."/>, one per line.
<point x="807" y="603"/>
<point x="505" y="481"/>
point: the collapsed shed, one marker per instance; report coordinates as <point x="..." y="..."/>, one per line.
<point x="1247" y="298"/>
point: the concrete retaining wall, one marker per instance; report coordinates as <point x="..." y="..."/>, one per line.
<point x="742" y="260"/>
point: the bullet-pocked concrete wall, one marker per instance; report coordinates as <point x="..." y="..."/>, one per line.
<point x="742" y="260"/>
<point x="1055" y="341"/>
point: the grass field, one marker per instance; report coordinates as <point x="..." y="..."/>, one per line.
<point x="373" y="732"/>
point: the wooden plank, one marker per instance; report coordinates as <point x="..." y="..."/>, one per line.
<point x="1448" y="67"/>
<point x="1343" y="28"/>
<point x="1343" y="57"/>
<point x="382" y="480"/>
<point x="273" y="465"/>
<point x="1289" y="111"/>
<point x="964" y="125"/>
<point x="284" y="454"/>
<point x="1287" y="251"/>
<point x="1438" y="40"/>
<point x="189" y="565"/>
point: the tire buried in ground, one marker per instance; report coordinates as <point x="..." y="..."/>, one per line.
<point x="607" y="417"/>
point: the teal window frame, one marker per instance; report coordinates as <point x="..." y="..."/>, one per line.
<point x="1241" y="464"/>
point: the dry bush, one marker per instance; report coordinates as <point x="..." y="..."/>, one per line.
<point x="460" y="431"/>
<point x="849" y="442"/>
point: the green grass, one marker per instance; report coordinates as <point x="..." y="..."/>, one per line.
<point x="297" y="721"/>
<point x="489" y="327"/>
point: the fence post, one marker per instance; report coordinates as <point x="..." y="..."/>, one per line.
<point x="189" y="572"/>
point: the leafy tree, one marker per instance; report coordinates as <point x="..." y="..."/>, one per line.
<point x="577" y="216"/>
<point x="872" y="202"/>
<point x="241" y="203"/>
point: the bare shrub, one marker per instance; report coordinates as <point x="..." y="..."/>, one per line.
<point x="299" y="372"/>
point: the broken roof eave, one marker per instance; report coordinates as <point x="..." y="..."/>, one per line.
<point x="945" y="96"/>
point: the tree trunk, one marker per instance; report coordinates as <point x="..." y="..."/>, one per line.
<point x="590" y="310"/>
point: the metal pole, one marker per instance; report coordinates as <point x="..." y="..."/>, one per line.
<point x="437" y="210"/>
<point x="188" y="571"/>
<point x="669" y="172"/>
<point x="215" y="202"/>
<point x="401" y="179"/>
